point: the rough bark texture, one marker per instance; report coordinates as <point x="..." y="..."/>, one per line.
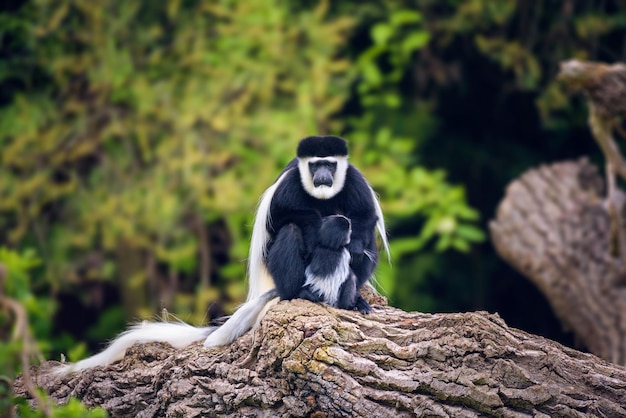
<point x="308" y="359"/>
<point x="553" y="226"/>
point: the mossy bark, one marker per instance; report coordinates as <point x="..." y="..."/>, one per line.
<point x="308" y="359"/>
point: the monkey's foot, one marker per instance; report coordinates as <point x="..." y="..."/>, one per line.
<point x="362" y="306"/>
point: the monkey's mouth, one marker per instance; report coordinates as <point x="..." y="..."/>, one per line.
<point x="322" y="182"/>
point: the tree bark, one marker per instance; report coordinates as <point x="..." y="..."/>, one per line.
<point x="553" y="226"/>
<point x="308" y="359"/>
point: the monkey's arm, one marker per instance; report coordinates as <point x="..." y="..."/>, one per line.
<point x="286" y="261"/>
<point x="363" y="248"/>
<point x="360" y="208"/>
<point x="364" y="257"/>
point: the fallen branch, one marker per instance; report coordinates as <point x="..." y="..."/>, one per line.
<point x="308" y="359"/>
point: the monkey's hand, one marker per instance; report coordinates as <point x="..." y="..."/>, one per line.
<point x="308" y="294"/>
<point x="356" y="251"/>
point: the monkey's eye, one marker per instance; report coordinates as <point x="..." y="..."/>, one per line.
<point x="323" y="164"/>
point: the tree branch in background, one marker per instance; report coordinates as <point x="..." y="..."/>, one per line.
<point x="559" y="226"/>
<point x="604" y="87"/>
<point x="554" y="227"/>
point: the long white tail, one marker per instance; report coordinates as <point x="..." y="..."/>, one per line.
<point x="246" y="316"/>
<point x="380" y="224"/>
<point x="178" y="334"/>
<point x="259" y="279"/>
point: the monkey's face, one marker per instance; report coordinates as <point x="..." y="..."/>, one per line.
<point x="323" y="172"/>
<point x="323" y="178"/>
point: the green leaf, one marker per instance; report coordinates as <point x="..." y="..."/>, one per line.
<point x="381" y="32"/>
<point x="372" y="74"/>
<point x="443" y="243"/>
<point x="404" y="16"/>
<point x="470" y="233"/>
<point x="416" y="40"/>
<point x="392" y="100"/>
<point x="460" y="245"/>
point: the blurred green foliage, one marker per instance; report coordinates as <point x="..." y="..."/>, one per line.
<point x="133" y="129"/>
<point x="488" y="75"/>
<point x="136" y="137"/>
<point x="25" y="325"/>
<point x="72" y="409"/>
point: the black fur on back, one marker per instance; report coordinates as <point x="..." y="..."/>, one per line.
<point x="322" y="146"/>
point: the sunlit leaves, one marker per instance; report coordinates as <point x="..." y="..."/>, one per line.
<point x="387" y="136"/>
<point x="159" y="114"/>
<point x="394" y="42"/>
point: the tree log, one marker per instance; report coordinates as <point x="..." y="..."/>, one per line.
<point x="553" y="226"/>
<point x="308" y="359"/>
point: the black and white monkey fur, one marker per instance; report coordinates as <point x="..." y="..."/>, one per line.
<point x="314" y="237"/>
<point x="327" y="277"/>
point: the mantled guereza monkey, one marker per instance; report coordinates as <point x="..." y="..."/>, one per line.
<point x="314" y="236"/>
<point x="318" y="183"/>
